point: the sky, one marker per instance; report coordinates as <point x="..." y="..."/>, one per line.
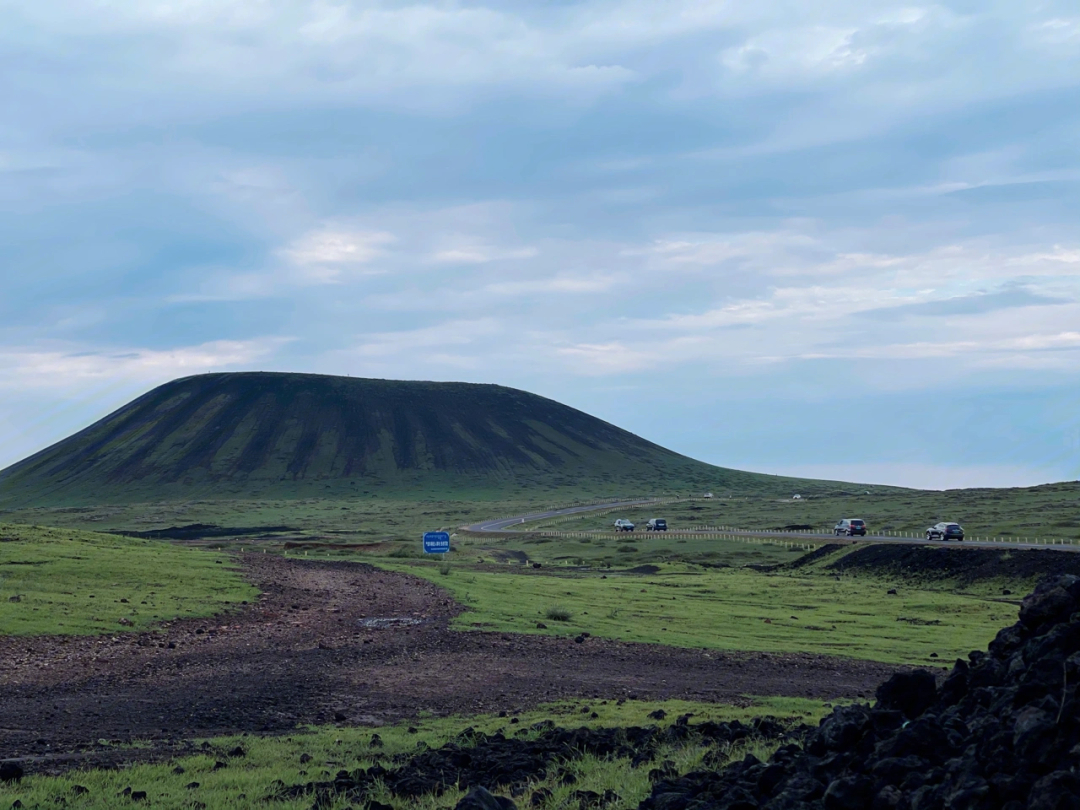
<point x="836" y="239"/>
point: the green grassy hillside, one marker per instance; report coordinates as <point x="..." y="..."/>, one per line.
<point x="268" y="435"/>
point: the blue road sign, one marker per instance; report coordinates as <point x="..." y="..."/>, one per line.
<point x="436" y="542"/>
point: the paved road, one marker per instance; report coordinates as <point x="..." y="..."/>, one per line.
<point x="503" y="524"/>
<point x="506" y="524"/>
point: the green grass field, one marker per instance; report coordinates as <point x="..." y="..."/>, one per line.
<point x="732" y="610"/>
<point x="247" y="782"/>
<point x="347" y="520"/>
<point x="1046" y="511"/>
<point x="629" y="550"/>
<point x="67" y="582"/>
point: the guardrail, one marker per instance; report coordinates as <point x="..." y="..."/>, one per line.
<point x="736" y="532"/>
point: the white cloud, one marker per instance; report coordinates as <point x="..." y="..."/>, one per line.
<point x="410" y="341"/>
<point x="554" y="285"/>
<point x="327" y="256"/>
<point x="481" y="254"/>
<point x="606" y="358"/>
<point x="23" y="368"/>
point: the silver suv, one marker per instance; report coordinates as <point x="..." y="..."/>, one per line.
<point x="623" y="525"/>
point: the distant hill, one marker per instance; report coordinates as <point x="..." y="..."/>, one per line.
<point x="270" y="435"/>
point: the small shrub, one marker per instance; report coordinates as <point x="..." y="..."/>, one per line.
<point x="626" y="549"/>
<point x="444" y="569"/>
<point x="557" y="613"/>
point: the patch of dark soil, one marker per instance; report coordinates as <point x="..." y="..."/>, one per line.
<point x="504" y="554"/>
<point x="819" y="553"/>
<point x="963" y="565"/>
<point x="300" y="655"/>
<point x="498" y="762"/>
<point x="200" y="531"/>
<point x="356" y="547"/>
<point x="643" y="569"/>
<point x="1001" y="731"/>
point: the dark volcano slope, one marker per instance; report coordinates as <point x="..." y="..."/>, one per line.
<point x="1001" y="731"/>
<point x="301" y="435"/>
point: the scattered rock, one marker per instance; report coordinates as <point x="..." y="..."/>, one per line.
<point x="502" y="763"/>
<point x="11" y="771"/>
<point x="541" y="626"/>
<point x="480" y="799"/>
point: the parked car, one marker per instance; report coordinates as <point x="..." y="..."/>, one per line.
<point x="945" y="531"/>
<point x="656" y="525"/>
<point x="849" y="527"/>
<point x="623" y="525"/>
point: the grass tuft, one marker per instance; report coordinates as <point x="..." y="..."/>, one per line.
<point x="558" y="613"/>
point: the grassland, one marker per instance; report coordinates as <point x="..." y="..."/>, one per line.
<point x="626" y="550"/>
<point x="1044" y="511"/>
<point x="67" y="582"/>
<point x="733" y="610"/>
<point x="247" y="782"/>
<point x="345" y="520"/>
<point x="681" y="605"/>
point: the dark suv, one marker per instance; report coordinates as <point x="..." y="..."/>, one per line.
<point x="945" y="531"/>
<point x="849" y="527"/>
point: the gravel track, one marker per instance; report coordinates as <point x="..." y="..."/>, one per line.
<point x="301" y="655"/>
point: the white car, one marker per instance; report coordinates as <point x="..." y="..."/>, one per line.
<point x="623" y="525"/>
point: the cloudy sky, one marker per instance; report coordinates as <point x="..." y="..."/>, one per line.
<point x="837" y="239"/>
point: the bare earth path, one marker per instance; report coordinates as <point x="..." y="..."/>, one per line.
<point x="301" y="655"/>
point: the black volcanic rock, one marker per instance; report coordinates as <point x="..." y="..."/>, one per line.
<point x="297" y="435"/>
<point x="1002" y="731"/>
<point x="498" y="762"/>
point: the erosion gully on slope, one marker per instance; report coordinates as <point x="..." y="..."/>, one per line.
<point x="303" y="655"/>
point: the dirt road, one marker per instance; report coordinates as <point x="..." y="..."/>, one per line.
<point x="303" y="654"/>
